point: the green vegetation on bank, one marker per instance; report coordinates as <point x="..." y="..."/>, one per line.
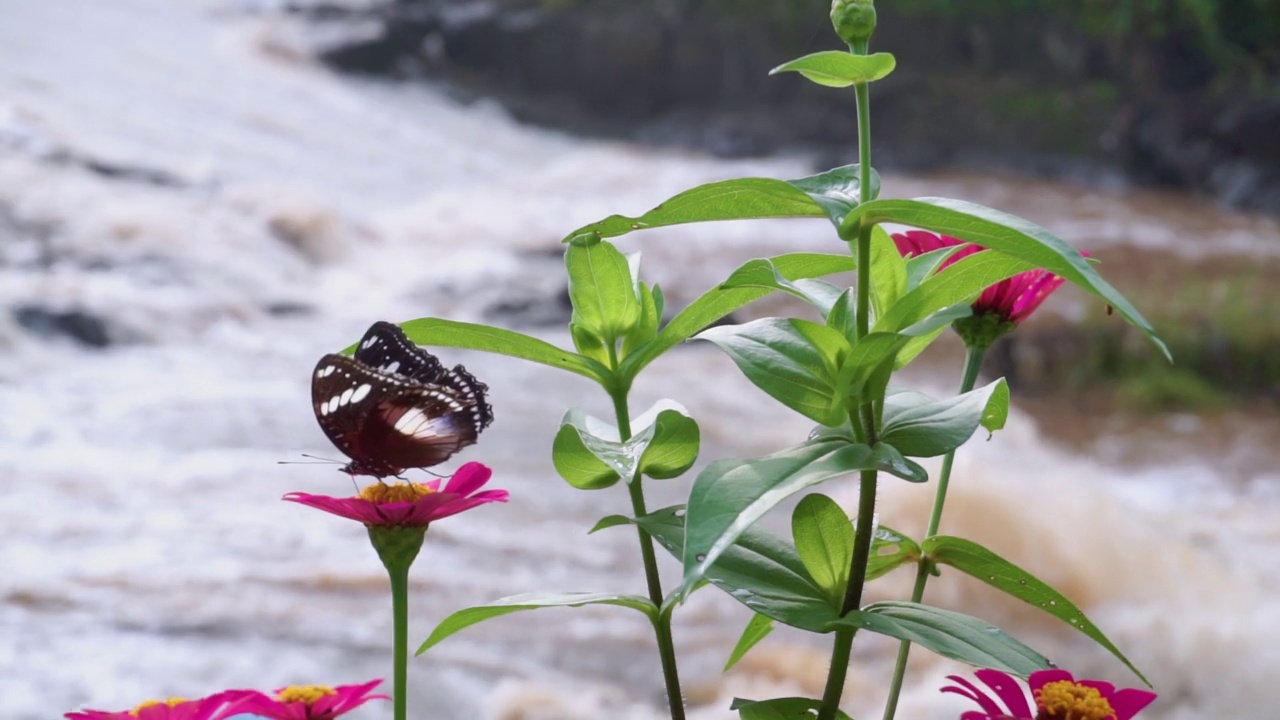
<point x="1237" y="40"/>
<point x="1218" y="318"/>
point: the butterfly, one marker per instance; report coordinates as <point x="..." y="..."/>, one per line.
<point x="393" y="406"/>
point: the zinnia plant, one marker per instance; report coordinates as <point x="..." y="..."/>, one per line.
<point x="998" y="310"/>
<point x="1056" y="695"/>
<point x="397" y="516"/>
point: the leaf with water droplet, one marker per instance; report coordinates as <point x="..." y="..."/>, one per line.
<point x="950" y="634"/>
<point x="791" y="708"/>
<point x="971" y="558"/>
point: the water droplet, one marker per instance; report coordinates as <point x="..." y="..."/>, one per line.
<point x="700" y="557"/>
<point x="1074" y="620"/>
<point x="991" y="577"/>
<point x="1022" y="582"/>
<point x="679" y="512"/>
<point x="1053" y="602"/>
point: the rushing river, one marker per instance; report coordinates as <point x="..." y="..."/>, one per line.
<point x="231" y="211"/>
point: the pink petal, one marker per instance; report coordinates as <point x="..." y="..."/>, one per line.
<point x="1130" y="701"/>
<point x="469" y="478"/>
<point x="351" y="508"/>
<point x="1007" y="689"/>
<point x="984" y="701"/>
<point x="1040" y="678"/>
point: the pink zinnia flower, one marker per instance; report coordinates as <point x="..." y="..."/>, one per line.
<point x="1057" y="695"/>
<point x="1013" y="300"/>
<point x="308" y="702"/>
<point x="214" y="707"/>
<point x="405" y="504"/>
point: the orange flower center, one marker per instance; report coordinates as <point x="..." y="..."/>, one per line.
<point x="304" y="693"/>
<point x="171" y="702"/>
<point x="1065" y="700"/>
<point x="381" y="493"/>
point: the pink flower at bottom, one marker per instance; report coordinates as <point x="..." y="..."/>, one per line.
<point x="214" y="707"/>
<point x="1057" y="696"/>
<point x="410" y="504"/>
<point x="308" y="702"/>
<point x="1013" y="300"/>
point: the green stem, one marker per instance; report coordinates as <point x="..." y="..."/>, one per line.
<point x="863" y="417"/>
<point x="662" y="624"/>
<point x="973" y="364"/>
<point x="400" y="625"/>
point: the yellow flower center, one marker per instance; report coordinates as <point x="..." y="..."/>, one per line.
<point x="1065" y="700"/>
<point x="304" y="693"/>
<point x="381" y="493"/>
<point x="171" y="702"/>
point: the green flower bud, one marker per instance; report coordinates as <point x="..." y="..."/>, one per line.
<point x="854" y="20"/>
<point x="979" y="331"/>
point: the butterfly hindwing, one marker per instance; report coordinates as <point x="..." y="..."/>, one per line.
<point x="385" y="347"/>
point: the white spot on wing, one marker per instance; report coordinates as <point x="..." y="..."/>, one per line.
<point x="361" y="392"/>
<point x="410" y="418"/>
<point x="370" y="342"/>
<point x="392" y="367"/>
<point x="346" y="396"/>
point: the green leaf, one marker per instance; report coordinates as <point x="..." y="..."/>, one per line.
<point x="792" y="708"/>
<point x="589" y="455"/>
<point x="577" y="461"/>
<point x="975" y="560"/>
<point x="609" y="521"/>
<point x="759" y="570"/>
<point x="1004" y="233"/>
<point x="834" y="68"/>
<point x="921" y="267"/>
<point x="762" y="273"/>
<point x="602" y="290"/>
<point x="891" y="460"/>
<point x="673" y="447"/>
<point x="824" y="540"/>
<point x="650" y="319"/>
<point x="449" y="333"/>
<point x="730" y="495"/>
<point x="531" y="601"/>
<point x="589" y="345"/>
<point x="821" y="195"/>
<point x="755" y="631"/>
<point x="717" y="303"/>
<point x="888" y="272"/>
<point x="867" y="356"/>
<point x="950" y="634"/>
<point x="843" y="316"/>
<point x="889" y="550"/>
<point x="837" y="190"/>
<point x="922" y="427"/>
<point x="792" y="360"/>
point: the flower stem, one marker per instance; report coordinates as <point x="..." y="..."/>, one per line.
<point x="400" y="624"/>
<point x="864" y="421"/>
<point x="397" y="547"/>
<point x="662" y="624"/>
<point x="973" y="364"/>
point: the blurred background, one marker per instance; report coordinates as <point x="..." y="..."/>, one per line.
<point x="200" y="197"/>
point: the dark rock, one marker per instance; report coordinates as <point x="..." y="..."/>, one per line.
<point x="78" y="325"/>
<point x="1028" y="91"/>
<point x="289" y="308"/>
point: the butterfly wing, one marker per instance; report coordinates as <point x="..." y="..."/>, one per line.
<point x="344" y="393"/>
<point x="387" y="423"/>
<point x="422" y="426"/>
<point x="385" y="347"/>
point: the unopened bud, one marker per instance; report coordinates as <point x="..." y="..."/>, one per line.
<point x="854" y="20"/>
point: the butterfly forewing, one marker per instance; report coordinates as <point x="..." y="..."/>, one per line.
<point x="385" y="347"/>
